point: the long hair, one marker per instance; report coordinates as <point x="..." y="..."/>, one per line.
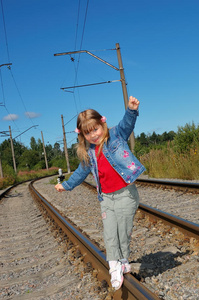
<point x="87" y="121"/>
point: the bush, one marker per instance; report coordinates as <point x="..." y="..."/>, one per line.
<point x="40" y="165"/>
<point x="186" y="138"/>
<point x="26" y="175"/>
<point x="74" y="163"/>
<point x="59" y="163"/>
<point x="165" y="163"/>
<point x="8" y="171"/>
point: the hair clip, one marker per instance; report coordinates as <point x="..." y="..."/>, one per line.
<point x="103" y="119"/>
<point x="77" y="130"/>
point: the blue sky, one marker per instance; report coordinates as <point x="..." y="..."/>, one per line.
<point x="159" y="43"/>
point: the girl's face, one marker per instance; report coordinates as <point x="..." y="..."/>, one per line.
<point x="95" y="136"/>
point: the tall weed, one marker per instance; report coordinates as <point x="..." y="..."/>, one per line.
<point x="166" y="163"/>
<point x="10" y="179"/>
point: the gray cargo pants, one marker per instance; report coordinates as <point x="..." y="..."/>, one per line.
<point x="118" y="210"/>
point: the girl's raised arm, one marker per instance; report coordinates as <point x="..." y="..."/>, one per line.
<point x="133" y="103"/>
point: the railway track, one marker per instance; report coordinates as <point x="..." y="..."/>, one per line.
<point x="36" y="259"/>
<point x="132" y="289"/>
<point x="185" y="186"/>
<point x="186" y="227"/>
<point x="162" y="257"/>
<point x="94" y="255"/>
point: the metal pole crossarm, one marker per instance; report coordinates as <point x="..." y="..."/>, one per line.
<point x="9" y="64"/>
<point x="88" y="52"/>
<point x="4" y="133"/>
<point x="77" y="86"/>
<point x="24" y="131"/>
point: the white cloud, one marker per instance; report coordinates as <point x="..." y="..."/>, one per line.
<point x="31" y="115"/>
<point x="11" y="117"/>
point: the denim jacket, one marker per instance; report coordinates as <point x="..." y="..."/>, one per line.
<point x="117" y="153"/>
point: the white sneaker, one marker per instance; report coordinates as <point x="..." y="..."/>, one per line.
<point x="127" y="266"/>
<point x="117" y="277"/>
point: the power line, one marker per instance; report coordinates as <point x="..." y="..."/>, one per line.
<point x="70" y="120"/>
<point x="81" y="42"/>
<point x="77" y="67"/>
<point x="77" y="24"/>
<point x="84" y="24"/>
<point x="24" y="131"/>
<point x="10" y="115"/>
<point x="2" y="65"/>
<point x="82" y="37"/>
<point x="2" y="103"/>
<point x="20" y="96"/>
<point x="4" y="133"/>
<point x="6" y="39"/>
<point x="4" y="24"/>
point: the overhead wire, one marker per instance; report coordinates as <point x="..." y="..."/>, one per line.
<point x="27" y="113"/>
<point x="77" y="26"/>
<point x="78" y="11"/>
<point x="81" y="42"/>
<point x="4" y="25"/>
<point x="10" y="115"/>
<point x="2" y="103"/>
<point x="82" y="37"/>
<point x="70" y="120"/>
<point x="75" y="46"/>
<point x="8" y="55"/>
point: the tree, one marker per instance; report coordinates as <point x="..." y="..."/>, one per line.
<point x="6" y="153"/>
<point x="165" y="137"/>
<point x="187" y="137"/>
<point x="143" y="139"/>
<point x="154" y="138"/>
<point x="56" y="150"/>
<point x="33" y="144"/>
<point x="29" y="159"/>
<point x="49" y="151"/>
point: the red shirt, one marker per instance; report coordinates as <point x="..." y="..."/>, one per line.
<point x="110" y="180"/>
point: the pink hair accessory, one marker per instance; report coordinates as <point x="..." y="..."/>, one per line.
<point x="103" y="119"/>
<point x="77" y="130"/>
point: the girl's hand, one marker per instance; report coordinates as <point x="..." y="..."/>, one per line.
<point x="59" y="187"/>
<point x="133" y="103"/>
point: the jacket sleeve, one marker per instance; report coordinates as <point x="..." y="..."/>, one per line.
<point x="76" y="178"/>
<point x="127" y="124"/>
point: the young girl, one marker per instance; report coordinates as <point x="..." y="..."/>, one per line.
<point x="106" y="154"/>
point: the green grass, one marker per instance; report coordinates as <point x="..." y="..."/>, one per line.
<point x="21" y="176"/>
<point x="159" y="163"/>
<point x="166" y="163"/>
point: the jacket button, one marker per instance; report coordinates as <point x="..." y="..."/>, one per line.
<point x="122" y="173"/>
<point x="113" y="165"/>
<point x="107" y="156"/>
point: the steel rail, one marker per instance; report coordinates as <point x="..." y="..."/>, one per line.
<point x="131" y="289"/>
<point x="185" y="185"/>
<point x="186" y="227"/>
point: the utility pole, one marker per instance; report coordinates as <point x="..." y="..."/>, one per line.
<point x="44" y="151"/>
<point x="124" y="89"/>
<point x="1" y="170"/>
<point x="12" y="148"/>
<point x="122" y="79"/>
<point x="65" y="145"/>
